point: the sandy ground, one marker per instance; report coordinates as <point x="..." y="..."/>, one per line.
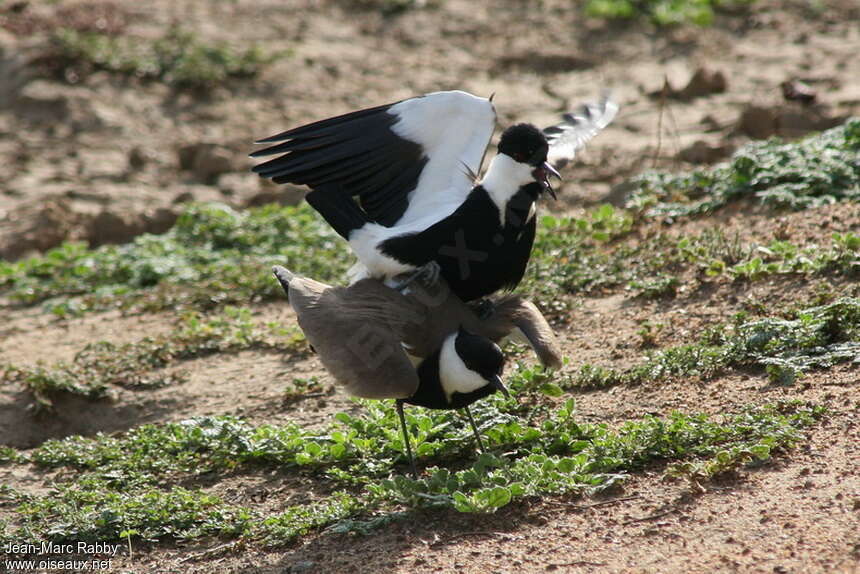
<point x="70" y="146"/>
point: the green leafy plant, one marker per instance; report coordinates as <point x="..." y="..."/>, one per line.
<point x="98" y="366"/>
<point x="818" y="170"/>
<point x="179" y="58"/>
<point x="819" y="337"/>
<point x="213" y="256"/>
<point x="662" y="12"/>
<point x="116" y="490"/>
<point x="566" y="255"/>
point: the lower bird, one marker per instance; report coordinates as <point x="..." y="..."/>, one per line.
<point x="417" y="343"/>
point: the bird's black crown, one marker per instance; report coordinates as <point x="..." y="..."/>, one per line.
<point x="479" y="354"/>
<point x="525" y="143"/>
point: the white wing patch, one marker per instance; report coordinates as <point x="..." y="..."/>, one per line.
<point x="364" y="243"/>
<point x="578" y="127"/>
<point x="454" y="128"/>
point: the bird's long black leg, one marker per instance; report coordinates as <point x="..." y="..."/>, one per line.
<point x="475" y="429"/>
<point x="399" y="403"/>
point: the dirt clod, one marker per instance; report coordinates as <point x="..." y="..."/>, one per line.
<point x="110" y="226"/>
<point x="790" y="120"/>
<point x="284" y="195"/>
<point x="36" y="227"/>
<point x="758" y="122"/>
<point x="797" y="91"/>
<point x="159" y="220"/>
<point x="137" y="158"/>
<point x="206" y="161"/>
<point x="701" y="152"/>
<point x="704" y="82"/>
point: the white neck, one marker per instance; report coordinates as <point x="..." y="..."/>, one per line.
<point x="454" y="375"/>
<point x="504" y="178"/>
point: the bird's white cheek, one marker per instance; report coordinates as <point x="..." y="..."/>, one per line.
<point x="454" y="375"/>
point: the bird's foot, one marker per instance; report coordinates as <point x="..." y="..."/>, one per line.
<point x="484" y="308"/>
<point x="427" y="274"/>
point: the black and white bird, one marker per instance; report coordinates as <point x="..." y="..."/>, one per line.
<point x="418" y="344"/>
<point x="413" y="165"/>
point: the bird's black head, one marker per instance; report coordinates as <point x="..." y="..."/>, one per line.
<point x="524" y="143"/>
<point x="482" y="356"/>
<point x="466" y="368"/>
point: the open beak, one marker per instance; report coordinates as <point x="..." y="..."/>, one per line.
<point x="542" y="173"/>
<point x="496" y="383"/>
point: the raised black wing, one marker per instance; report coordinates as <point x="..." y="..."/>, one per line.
<point x="401" y="160"/>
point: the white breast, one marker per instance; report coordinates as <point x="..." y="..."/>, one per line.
<point x="503" y="179"/>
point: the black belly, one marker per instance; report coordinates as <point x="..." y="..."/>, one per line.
<point x="479" y="266"/>
<point x="477" y="256"/>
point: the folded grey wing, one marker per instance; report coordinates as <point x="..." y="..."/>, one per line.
<point x="301" y="291"/>
<point x="357" y="346"/>
<point x="430" y="313"/>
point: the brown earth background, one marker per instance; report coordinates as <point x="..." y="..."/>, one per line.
<point x="102" y="159"/>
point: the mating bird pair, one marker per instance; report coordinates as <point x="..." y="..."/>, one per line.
<point x="431" y="241"/>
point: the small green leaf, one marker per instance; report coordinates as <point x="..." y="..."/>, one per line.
<point x="463" y="503"/>
<point x="493" y="498"/>
<point x="551" y="390"/>
<point x="760" y="451"/>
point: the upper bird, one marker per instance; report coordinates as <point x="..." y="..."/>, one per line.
<point x="413" y="165"/>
